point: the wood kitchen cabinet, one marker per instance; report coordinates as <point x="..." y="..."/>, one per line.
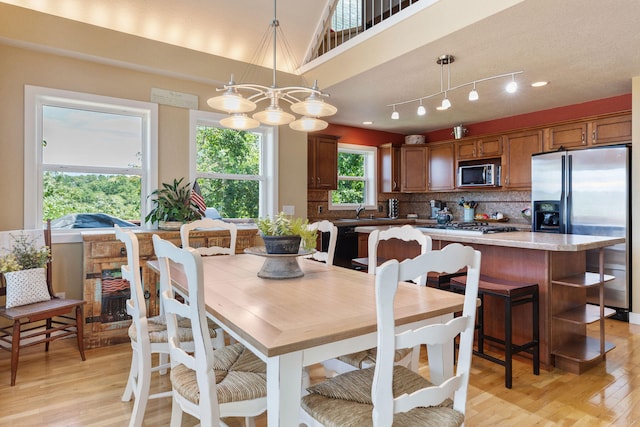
<point x="516" y="167"/>
<point x="441" y="168"/>
<point x="602" y="131"/>
<point x="414" y="174"/>
<point x="322" y="162"/>
<point x="390" y="167"/>
<point x="471" y="149"/>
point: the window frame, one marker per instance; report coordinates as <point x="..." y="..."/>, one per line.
<point x="268" y="198"/>
<point x="370" y="178"/>
<point x="35" y="98"/>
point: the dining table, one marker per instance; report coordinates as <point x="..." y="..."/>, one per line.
<point x="293" y="323"/>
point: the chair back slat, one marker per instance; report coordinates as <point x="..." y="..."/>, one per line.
<point x="325" y="226"/>
<point x="207" y="224"/>
<point x="407" y="233"/>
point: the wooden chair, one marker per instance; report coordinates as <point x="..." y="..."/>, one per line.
<point x="40" y="322"/>
<point x="208" y="223"/>
<point x="406" y="233"/>
<point x="389" y="394"/>
<point x="325" y="227"/>
<point x="148" y="335"/>
<point x="208" y="384"/>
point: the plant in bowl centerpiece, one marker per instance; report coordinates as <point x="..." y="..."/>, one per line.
<point x="173" y="206"/>
<point x="283" y="234"/>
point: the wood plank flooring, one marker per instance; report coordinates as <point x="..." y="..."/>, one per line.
<point x="58" y="389"/>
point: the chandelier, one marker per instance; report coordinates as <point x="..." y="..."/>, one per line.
<point x="511" y="87"/>
<point x="305" y="101"/>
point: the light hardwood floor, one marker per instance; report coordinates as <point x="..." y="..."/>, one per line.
<point x="57" y="389"/>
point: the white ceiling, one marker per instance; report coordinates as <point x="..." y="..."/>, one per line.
<point x="586" y="49"/>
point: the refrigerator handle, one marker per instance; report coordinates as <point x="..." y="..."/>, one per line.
<point x="568" y="202"/>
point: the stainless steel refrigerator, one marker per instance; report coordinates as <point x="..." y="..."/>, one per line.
<point x="588" y="192"/>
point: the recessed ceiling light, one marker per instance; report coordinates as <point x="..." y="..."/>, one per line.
<point x="539" y="84"/>
<point x="368" y="122"/>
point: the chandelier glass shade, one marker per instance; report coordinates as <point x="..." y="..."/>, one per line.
<point x="306" y="101"/>
<point x="443" y="60"/>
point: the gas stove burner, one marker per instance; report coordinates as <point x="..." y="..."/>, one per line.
<point x="479" y="227"/>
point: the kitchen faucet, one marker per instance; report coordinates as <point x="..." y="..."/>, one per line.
<point x="359" y="210"/>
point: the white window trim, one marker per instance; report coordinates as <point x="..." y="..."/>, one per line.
<point x="35" y="98"/>
<point x="269" y="159"/>
<point x="371" y="170"/>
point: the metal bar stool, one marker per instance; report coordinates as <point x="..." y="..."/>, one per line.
<point x="513" y="294"/>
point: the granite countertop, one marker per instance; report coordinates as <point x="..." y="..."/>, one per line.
<point x="519" y="239"/>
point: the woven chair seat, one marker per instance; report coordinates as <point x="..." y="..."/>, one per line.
<point x="345" y="401"/>
<point x="240" y="375"/>
<point x="367" y="358"/>
<point x="157" y="327"/>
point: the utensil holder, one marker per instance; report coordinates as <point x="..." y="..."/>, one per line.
<point x="469" y="214"/>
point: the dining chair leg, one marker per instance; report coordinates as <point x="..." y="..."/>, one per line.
<point x="163" y="363"/>
<point x="143" y="383"/>
<point x="250" y="422"/>
<point x="47" y="335"/>
<point x="15" y="351"/>
<point x="80" y="330"/>
<point x="176" y="413"/>
<point x="131" y="381"/>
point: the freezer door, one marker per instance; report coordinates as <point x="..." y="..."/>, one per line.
<point x="547" y="176"/>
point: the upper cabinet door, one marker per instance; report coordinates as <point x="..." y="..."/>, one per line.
<point x="611" y="130"/>
<point x="322" y="162"/>
<point x="516" y="170"/>
<point x="441" y="167"/>
<point x="390" y="166"/>
<point x="567" y="136"/>
<point x="414" y="168"/>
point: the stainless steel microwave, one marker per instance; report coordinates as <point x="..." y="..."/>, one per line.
<point x="487" y="175"/>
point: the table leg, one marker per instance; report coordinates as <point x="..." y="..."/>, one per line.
<point x="441" y="357"/>
<point x="284" y="381"/>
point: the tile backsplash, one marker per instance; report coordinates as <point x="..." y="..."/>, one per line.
<point x="509" y="203"/>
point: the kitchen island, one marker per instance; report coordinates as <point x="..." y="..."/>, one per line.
<point x="557" y="263"/>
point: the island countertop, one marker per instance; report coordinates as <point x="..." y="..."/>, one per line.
<point x="518" y="239"/>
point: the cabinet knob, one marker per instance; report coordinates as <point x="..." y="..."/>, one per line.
<point x="123" y="251"/>
<point x="318" y="180"/>
<point x="594" y="136"/>
<point x="583" y="137"/>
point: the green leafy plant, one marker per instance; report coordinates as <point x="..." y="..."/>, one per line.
<point x="24" y="255"/>
<point x="283" y="225"/>
<point x="173" y="202"/>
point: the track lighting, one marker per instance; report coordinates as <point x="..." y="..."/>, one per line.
<point x="446" y="103"/>
<point x="473" y="95"/>
<point x="421" y="110"/>
<point x="395" y="115"/>
<point x="512" y="86"/>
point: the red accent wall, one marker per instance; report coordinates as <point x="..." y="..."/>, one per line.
<point x="359" y="136"/>
<point x="353" y="135"/>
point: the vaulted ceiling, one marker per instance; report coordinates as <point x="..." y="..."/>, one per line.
<point x="585" y="49"/>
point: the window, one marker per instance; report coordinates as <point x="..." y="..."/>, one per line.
<point x="356" y="177"/>
<point x="87" y="154"/>
<point x="235" y="170"/>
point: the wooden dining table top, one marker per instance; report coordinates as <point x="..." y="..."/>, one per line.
<point x="327" y="304"/>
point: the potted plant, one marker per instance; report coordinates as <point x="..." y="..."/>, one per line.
<point x="283" y="234"/>
<point x="23" y="269"/>
<point x="173" y="206"/>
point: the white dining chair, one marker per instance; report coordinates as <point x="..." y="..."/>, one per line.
<point x="148" y="335"/>
<point x="325" y="226"/>
<point x="390" y="394"/>
<point x="367" y="358"/>
<point x="206" y="224"/>
<point x="207" y="384"/>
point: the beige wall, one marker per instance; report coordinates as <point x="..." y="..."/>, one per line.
<point x="39" y="50"/>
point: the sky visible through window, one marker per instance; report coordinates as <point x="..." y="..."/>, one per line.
<point x="90" y="138"/>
